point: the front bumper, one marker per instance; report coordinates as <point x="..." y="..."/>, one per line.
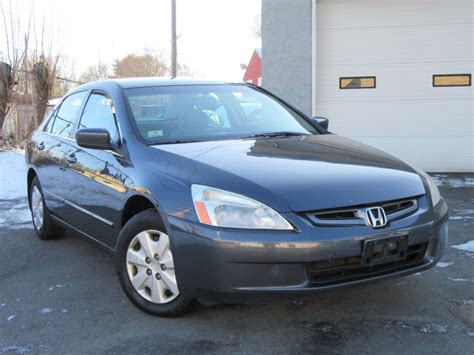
<point x="233" y="265"/>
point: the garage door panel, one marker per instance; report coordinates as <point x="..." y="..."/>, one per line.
<point x="412" y="81"/>
<point x="373" y="13"/>
<point x="417" y="118"/>
<point x="445" y="153"/>
<point x="394" y="45"/>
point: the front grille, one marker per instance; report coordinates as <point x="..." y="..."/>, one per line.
<point x="397" y="206"/>
<point x="356" y="215"/>
<point x="337" y="215"/>
<point x="330" y="272"/>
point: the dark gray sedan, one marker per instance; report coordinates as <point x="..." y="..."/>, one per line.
<point x="212" y="190"/>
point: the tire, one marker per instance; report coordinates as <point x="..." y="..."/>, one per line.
<point x="44" y="227"/>
<point x="145" y="267"/>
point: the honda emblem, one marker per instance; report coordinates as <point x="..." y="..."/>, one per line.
<point x="375" y="217"/>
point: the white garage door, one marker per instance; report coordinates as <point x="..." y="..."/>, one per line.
<point x="402" y="44"/>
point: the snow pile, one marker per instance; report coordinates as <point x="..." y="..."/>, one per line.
<point x="14" y="211"/>
<point x="450" y="181"/>
<point x="12" y="176"/>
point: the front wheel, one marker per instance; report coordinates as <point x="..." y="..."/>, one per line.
<point x="145" y="267"/>
<point x="44" y="227"/>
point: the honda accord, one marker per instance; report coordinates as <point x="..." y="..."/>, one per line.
<point x="218" y="191"/>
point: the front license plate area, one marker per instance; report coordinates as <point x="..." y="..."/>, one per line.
<point x="384" y="250"/>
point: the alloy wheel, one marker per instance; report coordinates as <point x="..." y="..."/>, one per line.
<point x="37" y="207"/>
<point x="150" y="267"/>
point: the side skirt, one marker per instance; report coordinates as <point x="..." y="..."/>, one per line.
<point x="83" y="235"/>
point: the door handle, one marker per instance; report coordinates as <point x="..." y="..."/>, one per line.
<point x="71" y="158"/>
<point x="40" y="146"/>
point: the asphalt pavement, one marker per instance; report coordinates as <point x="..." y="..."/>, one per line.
<point x="62" y="296"/>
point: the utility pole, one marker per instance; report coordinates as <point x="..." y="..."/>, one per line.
<point x="174" y="51"/>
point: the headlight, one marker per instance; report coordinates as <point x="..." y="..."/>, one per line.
<point x="225" y="209"/>
<point x="434" y="192"/>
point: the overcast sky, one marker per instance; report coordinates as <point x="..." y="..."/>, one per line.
<point x="214" y="35"/>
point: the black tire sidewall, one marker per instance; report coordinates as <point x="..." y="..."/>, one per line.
<point x="147" y="220"/>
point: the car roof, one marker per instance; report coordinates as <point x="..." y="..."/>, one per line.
<point x="128" y="83"/>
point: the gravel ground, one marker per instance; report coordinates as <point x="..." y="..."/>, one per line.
<point x="63" y="297"/>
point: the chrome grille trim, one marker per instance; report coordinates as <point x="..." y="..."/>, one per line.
<point x="357" y="216"/>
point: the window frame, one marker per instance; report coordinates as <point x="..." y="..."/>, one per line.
<point x="116" y="118"/>
<point x="50" y="118"/>
<point x="451" y="75"/>
<point x="357" y="77"/>
<point x="55" y="112"/>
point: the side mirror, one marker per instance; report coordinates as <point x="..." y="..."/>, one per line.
<point x="322" y="122"/>
<point x="95" y="138"/>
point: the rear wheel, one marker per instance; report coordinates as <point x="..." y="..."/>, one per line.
<point x="145" y="267"/>
<point x="44" y="227"/>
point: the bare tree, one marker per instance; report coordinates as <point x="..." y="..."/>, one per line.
<point x="43" y="65"/>
<point x="5" y="91"/>
<point x="185" y="70"/>
<point x="66" y="76"/>
<point x="31" y="59"/>
<point x="256" y="27"/>
<point x="16" y="34"/>
<point x="44" y="74"/>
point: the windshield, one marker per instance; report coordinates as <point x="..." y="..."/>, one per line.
<point x="172" y="114"/>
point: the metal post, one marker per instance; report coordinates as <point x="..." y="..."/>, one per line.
<point x="174" y="52"/>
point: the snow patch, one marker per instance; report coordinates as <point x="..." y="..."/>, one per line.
<point x="459" y="279"/>
<point x="469" y="246"/>
<point x="424" y="328"/>
<point x="468" y="211"/>
<point x="12" y="176"/>
<point x="433" y="328"/>
<point x="457" y="218"/>
<point x="45" y="310"/>
<point x="443" y="264"/>
<point x="14" y="349"/>
<point x="455" y="182"/>
<point x="14" y="210"/>
<point x="56" y="286"/>
<point x="15" y="218"/>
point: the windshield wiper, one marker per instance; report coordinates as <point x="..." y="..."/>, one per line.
<point x="178" y="141"/>
<point x="276" y="134"/>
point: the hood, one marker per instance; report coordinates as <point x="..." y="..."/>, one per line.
<point x="304" y="172"/>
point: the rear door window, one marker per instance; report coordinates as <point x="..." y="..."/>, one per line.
<point x="65" y="117"/>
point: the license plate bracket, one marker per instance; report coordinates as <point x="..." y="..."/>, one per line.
<point x="384" y="250"/>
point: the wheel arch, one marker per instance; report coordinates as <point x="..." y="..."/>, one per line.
<point x="136" y="204"/>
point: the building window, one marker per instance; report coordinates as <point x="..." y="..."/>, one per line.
<point x="357" y="82"/>
<point x="451" y="80"/>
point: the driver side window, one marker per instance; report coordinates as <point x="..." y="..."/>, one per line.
<point x="100" y="113"/>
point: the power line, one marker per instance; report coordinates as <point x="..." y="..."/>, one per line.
<point x="56" y="77"/>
